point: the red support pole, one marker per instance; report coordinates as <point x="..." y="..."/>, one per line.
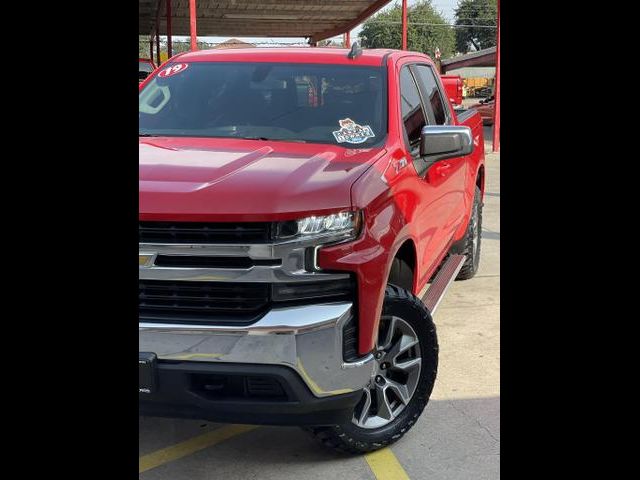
<point x="169" y="49"/>
<point x="496" y="110"/>
<point x="347" y="39"/>
<point x="404" y="24"/>
<point x="192" y="24"/>
<point x="151" y="47"/>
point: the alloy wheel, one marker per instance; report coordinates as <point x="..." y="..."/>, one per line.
<point x="395" y="375"/>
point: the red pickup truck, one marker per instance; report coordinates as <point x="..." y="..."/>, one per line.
<point x="453" y="86"/>
<point x="301" y="213"/>
<point x="486" y="109"/>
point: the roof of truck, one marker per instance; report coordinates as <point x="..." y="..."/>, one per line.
<point x="294" y="55"/>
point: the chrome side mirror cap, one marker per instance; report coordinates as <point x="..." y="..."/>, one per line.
<point x="439" y="142"/>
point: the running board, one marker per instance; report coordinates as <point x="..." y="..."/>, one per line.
<point x="441" y="282"/>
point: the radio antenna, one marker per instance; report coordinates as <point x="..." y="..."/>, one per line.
<point x="355" y="51"/>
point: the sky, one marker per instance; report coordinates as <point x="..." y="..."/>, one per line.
<point x="446" y="7"/>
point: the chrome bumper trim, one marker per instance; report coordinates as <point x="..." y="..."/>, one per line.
<point x="291" y="254"/>
<point x="306" y="338"/>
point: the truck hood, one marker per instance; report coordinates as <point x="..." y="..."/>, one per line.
<point x="213" y="179"/>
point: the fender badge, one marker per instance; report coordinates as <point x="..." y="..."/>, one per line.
<point x="393" y="169"/>
<point x="400" y="164"/>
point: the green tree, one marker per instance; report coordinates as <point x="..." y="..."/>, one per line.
<point x="476" y="12"/>
<point x="179" y="46"/>
<point x="425" y="30"/>
<point x="143" y="46"/>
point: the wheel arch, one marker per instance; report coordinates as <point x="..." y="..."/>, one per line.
<point x="406" y="252"/>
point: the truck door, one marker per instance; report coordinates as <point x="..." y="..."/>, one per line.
<point x="440" y="205"/>
<point x="452" y="171"/>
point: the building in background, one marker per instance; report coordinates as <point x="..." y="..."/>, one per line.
<point x="234" y="43"/>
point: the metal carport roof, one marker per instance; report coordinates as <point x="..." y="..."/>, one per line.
<point x="315" y="19"/>
<point x="481" y="58"/>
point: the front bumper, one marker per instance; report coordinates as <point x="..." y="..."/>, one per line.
<point x="242" y="393"/>
<point x="306" y="340"/>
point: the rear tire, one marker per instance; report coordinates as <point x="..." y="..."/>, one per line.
<point x="473" y="237"/>
<point x="378" y="426"/>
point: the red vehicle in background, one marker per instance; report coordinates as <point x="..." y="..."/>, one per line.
<point x="145" y="68"/>
<point x="302" y="212"/>
<point x="486" y="109"/>
<point x="453" y="87"/>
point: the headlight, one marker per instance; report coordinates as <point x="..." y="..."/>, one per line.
<point x="335" y="227"/>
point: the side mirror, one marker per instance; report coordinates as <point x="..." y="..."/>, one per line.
<point x="439" y="142"/>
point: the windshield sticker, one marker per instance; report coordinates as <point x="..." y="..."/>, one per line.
<point x="351" y="132"/>
<point x="173" y="70"/>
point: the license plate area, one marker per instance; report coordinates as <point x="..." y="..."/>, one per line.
<point x="147" y="371"/>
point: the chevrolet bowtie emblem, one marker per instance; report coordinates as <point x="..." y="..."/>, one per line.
<point x="145" y="259"/>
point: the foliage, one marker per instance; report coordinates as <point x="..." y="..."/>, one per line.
<point x="476" y="12"/>
<point x="384" y="30"/>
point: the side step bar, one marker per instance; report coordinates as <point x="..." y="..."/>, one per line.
<point x="441" y="282"/>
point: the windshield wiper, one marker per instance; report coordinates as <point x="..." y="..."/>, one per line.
<point x="147" y="135"/>
<point x="272" y="139"/>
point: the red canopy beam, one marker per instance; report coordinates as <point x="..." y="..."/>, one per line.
<point x="496" y="110"/>
<point x="404" y="24"/>
<point x="192" y="24"/>
<point x="169" y="48"/>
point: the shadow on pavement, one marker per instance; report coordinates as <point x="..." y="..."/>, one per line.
<point x="452" y="440"/>
<point x="490" y="235"/>
<point x="488" y="133"/>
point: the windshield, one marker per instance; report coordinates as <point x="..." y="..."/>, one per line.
<point x="336" y="104"/>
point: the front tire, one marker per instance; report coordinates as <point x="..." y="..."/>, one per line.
<point x="406" y="367"/>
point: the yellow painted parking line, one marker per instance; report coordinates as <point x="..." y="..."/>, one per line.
<point x="183" y="449"/>
<point x="385" y="466"/>
<point x="191" y="356"/>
